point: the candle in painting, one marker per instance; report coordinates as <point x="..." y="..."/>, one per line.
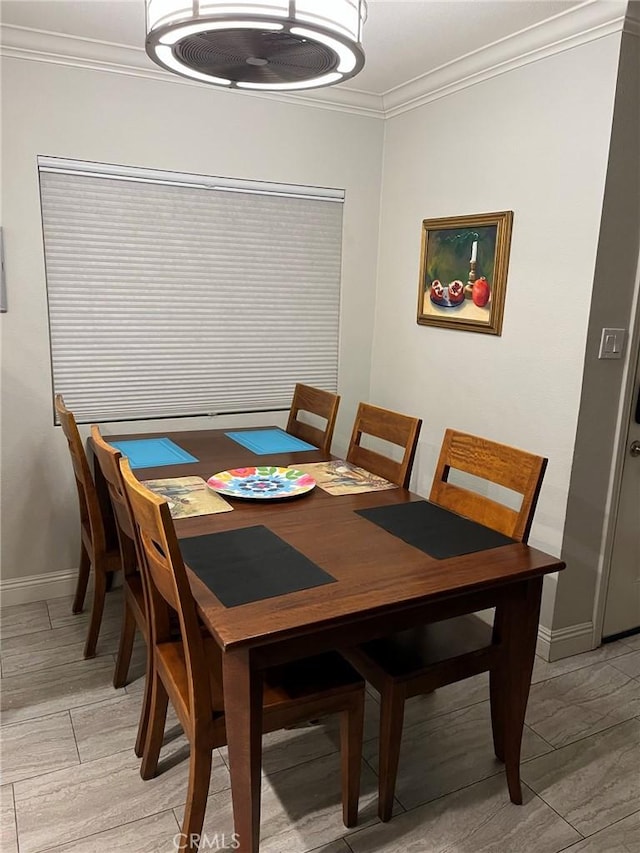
<point x="474" y="251"/>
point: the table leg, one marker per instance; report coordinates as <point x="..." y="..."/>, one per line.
<point x="243" y="718"/>
<point x="517" y="621"/>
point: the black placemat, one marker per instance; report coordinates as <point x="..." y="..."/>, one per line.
<point x="434" y="530"/>
<point x="250" y="564"/>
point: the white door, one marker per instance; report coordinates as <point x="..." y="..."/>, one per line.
<point x="622" y="608"/>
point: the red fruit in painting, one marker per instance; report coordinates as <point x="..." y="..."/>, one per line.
<point x="456" y="291"/>
<point x="480" y="292"/>
<point x="437" y="289"/>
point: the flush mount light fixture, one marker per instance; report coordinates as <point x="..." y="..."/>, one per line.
<point x="273" y="45"/>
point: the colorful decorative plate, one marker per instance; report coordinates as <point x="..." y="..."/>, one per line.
<point x="262" y="482"/>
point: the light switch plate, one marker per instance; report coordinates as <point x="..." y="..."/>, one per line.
<point x="612" y="343"/>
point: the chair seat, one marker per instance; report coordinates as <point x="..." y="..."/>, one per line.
<point x="111" y="544"/>
<point x="408" y="652"/>
<point x="285" y="687"/>
<point x="112" y="561"/>
<point x="319" y="676"/>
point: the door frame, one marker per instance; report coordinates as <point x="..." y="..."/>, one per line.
<point x="619" y="454"/>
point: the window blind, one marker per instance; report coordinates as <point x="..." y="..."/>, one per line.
<point x="168" y="297"/>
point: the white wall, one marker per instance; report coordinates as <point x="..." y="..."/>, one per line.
<point x="535" y="141"/>
<point x="83" y="114"/>
<point x="600" y="447"/>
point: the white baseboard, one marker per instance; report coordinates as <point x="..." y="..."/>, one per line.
<point x="553" y="645"/>
<point x="564" y="642"/>
<point x="37" y="587"/>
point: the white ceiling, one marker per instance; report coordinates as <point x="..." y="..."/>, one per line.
<point x="403" y="39"/>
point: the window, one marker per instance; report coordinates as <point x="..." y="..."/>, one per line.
<point x="175" y="295"/>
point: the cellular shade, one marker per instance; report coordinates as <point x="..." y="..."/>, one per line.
<point x="169" y="297"/>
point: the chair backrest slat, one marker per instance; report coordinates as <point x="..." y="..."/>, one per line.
<point x="315" y="401"/>
<point x="393" y="427"/>
<point x="505" y="466"/>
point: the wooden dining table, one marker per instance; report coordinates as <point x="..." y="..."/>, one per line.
<point x="380" y="584"/>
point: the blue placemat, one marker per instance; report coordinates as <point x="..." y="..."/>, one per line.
<point x="152" y="452"/>
<point x="263" y="441"/>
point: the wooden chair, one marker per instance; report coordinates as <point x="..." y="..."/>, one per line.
<point x="417" y="661"/>
<point x="393" y="427"/>
<point x="189" y="672"/>
<point x="98" y="538"/>
<point x="135" y="608"/>
<point x="324" y="405"/>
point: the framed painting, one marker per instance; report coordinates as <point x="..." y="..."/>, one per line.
<point x="463" y="271"/>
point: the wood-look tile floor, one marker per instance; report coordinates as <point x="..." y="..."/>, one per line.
<point x="70" y="780"/>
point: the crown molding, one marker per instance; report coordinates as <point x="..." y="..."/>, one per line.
<point x="580" y="25"/>
<point x="34" y="45"/>
<point x="573" y="28"/>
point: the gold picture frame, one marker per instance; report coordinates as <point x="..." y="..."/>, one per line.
<point x="463" y="271"/>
